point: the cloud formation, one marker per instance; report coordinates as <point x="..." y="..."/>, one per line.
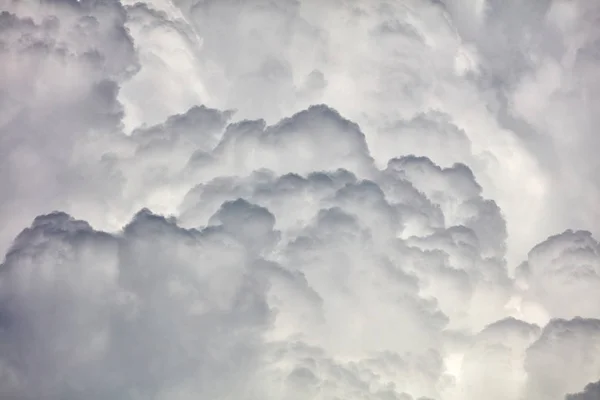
<point x="299" y="200"/>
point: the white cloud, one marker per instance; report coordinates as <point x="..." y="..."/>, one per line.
<point x="565" y="266"/>
<point x="299" y="200"/>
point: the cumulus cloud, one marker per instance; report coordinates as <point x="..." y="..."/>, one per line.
<point x="591" y="391"/>
<point x="299" y="200"/>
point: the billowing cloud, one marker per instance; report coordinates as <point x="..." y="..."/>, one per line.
<point x="299" y="200"/>
<point x="591" y="392"/>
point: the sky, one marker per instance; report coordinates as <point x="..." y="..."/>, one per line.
<point x="299" y="199"/>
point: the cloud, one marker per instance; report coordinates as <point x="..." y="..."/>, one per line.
<point x="62" y="63"/>
<point x="539" y="57"/>
<point x="295" y="200"/>
<point x="563" y="359"/>
<point x="590" y="392"/>
<point x="80" y="319"/>
<point x="564" y="266"/>
<point x="493" y="367"/>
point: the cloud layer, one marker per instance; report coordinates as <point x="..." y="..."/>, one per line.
<point x="299" y="200"/>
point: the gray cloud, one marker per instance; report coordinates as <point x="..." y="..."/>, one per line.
<point x="270" y="200"/>
<point x="62" y="63"/>
<point x="563" y="359"/>
<point x="538" y="57"/>
<point x="80" y="319"/>
<point x="590" y="392"/>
